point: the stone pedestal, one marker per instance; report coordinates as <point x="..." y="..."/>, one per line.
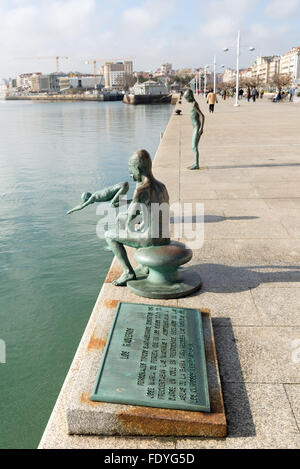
<point x="166" y="278"/>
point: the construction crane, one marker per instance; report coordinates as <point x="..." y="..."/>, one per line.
<point x="95" y="61"/>
<point x="57" y="58"/>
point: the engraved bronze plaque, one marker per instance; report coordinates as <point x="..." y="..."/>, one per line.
<point x="154" y="357"/>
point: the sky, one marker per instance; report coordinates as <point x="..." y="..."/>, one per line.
<point x="150" y="32"/>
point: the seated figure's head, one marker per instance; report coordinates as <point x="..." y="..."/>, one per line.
<point x="189" y="95"/>
<point x="140" y="164"/>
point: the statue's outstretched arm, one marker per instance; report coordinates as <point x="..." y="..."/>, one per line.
<point x="90" y="201"/>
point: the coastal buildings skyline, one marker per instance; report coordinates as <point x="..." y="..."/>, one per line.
<point x="121" y="75"/>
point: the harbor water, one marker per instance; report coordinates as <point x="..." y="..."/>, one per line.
<point x="52" y="266"/>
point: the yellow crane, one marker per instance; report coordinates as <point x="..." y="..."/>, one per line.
<point x="95" y="61"/>
<point x="57" y="58"/>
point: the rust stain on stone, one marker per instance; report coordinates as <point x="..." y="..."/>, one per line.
<point x="205" y="310"/>
<point x="96" y="343"/>
<point x="111" y="304"/>
<point x="165" y="422"/>
<point x="85" y="399"/>
<point x="113" y="274"/>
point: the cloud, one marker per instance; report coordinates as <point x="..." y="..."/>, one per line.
<point x="186" y="34"/>
<point x="230" y="7"/>
<point x="220" y="27"/>
<point x="279" y="9"/>
<point x="34" y="28"/>
<point x="71" y="16"/>
<point x="147" y="16"/>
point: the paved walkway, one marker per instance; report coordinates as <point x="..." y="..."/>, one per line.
<point x="250" y="266"/>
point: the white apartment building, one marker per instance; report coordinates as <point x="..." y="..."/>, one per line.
<point x="229" y="75"/>
<point x="290" y="63"/>
<point x="246" y="73"/>
<point x="166" y="69"/>
<point x="265" y="67"/>
<point x="24" y="81"/>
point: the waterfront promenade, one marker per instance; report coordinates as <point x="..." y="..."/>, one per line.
<point x="250" y="267"/>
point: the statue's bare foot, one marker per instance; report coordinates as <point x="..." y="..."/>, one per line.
<point x="194" y="166"/>
<point x="141" y="270"/>
<point x="122" y="281"/>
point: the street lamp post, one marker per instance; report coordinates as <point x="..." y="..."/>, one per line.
<point x="215" y="77"/>
<point x="205" y="78"/>
<point x="238" y="53"/>
<point x="214" y="63"/>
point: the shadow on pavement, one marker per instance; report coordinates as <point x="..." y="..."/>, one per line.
<point x="265" y="165"/>
<point x="207" y="219"/>
<point x="238" y="412"/>
<point x="232" y="279"/>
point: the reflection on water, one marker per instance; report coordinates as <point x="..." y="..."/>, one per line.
<point x="52" y="265"/>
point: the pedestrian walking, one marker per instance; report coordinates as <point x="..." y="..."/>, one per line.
<point x="241" y="92"/>
<point x="223" y="94"/>
<point x="254" y="94"/>
<point x="211" y="100"/>
<point x="261" y="93"/>
<point x="291" y="93"/>
<point x="248" y="94"/>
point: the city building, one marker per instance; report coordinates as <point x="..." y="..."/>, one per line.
<point x="246" y="73"/>
<point x="114" y="72"/>
<point x="182" y="72"/>
<point x="45" y="83"/>
<point x="24" y="81"/>
<point x="262" y="69"/>
<point x="150" y="87"/>
<point x="145" y="75"/>
<point x="219" y="77"/>
<point x="12" y="83"/>
<point x="80" y="83"/>
<point x="290" y="63"/>
<point x="166" y="69"/>
<point x="229" y="75"/>
<point x="274" y="66"/>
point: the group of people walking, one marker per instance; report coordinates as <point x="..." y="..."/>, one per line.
<point x="253" y="94"/>
<point x="212" y="97"/>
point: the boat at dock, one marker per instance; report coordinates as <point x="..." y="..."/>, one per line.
<point x="149" y="92"/>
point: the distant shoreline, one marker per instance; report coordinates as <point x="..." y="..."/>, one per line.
<point x="65" y="98"/>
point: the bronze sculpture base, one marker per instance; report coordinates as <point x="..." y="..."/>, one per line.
<point x="188" y="282"/>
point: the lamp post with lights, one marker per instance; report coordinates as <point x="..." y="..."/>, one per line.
<point x="238" y="53"/>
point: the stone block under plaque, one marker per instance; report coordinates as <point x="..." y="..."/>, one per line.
<point x="163" y="398"/>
